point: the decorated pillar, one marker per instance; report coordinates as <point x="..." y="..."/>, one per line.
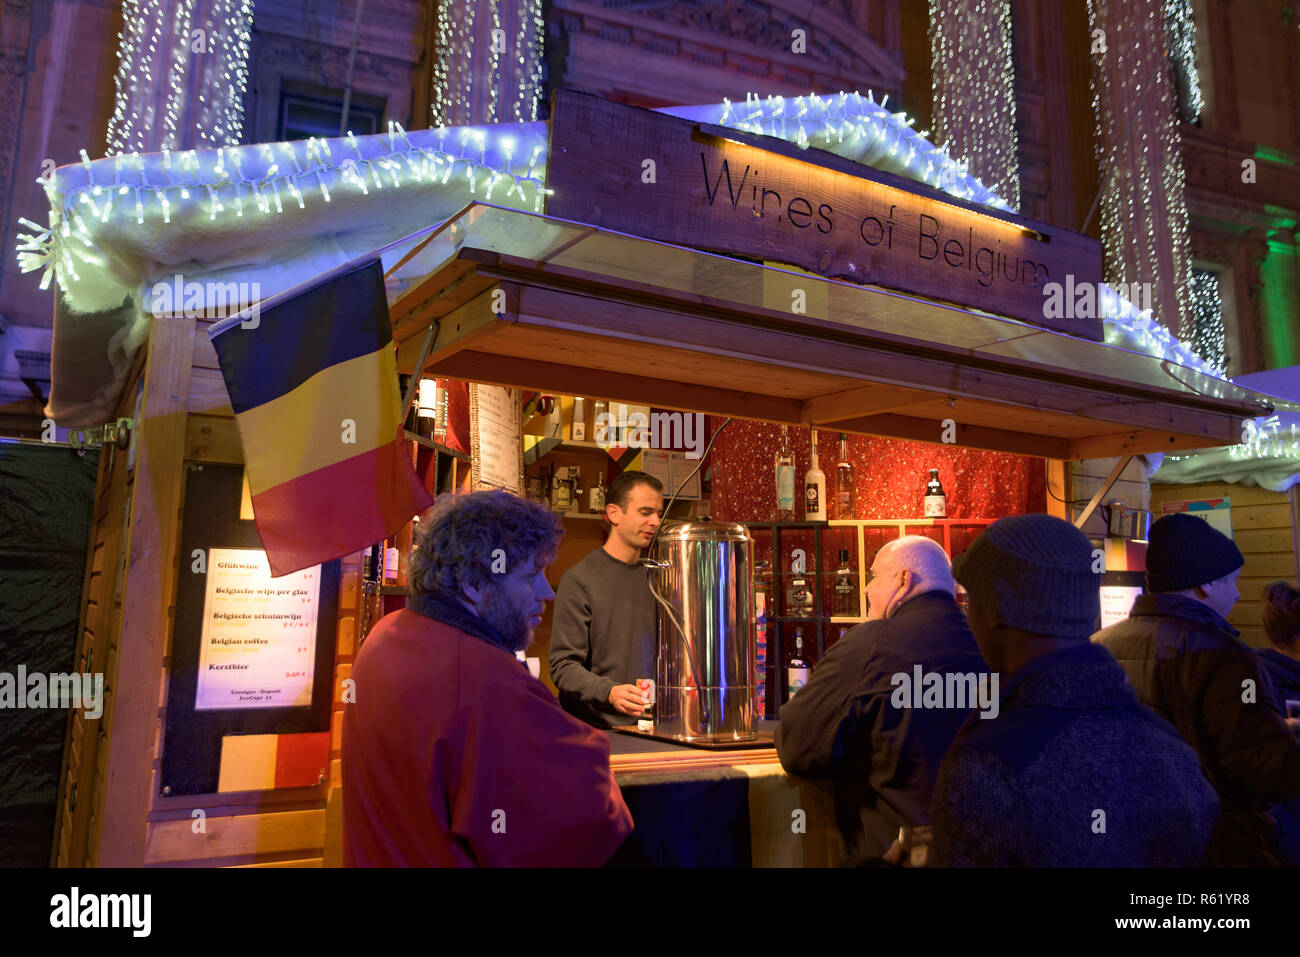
<point x="974" y="90"/>
<point x="488" y="61"/>
<point x="181" y="75"/>
<point x="1144" y="223"/>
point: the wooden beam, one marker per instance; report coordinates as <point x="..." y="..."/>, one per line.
<point x="1102" y="490"/>
<point x="213" y="439"/>
<point x="1058" y="488"/>
<point x="462" y="326"/>
<point x="853" y="403"/>
<point x="1137" y="442"/>
<point x="131" y="709"/>
<point x="896" y="426"/>
<point x="614" y="386"/>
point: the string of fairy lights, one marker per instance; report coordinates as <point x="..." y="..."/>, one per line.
<point x="1144" y="218"/>
<point x="1181" y="29"/>
<point x="217" y="52"/>
<point x="974" y="88"/>
<point x="1208" y="337"/>
<point x="270" y="179"/>
<point x="455" y="98"/>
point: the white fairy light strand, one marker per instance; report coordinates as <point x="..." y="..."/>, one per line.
<point x="266" y="179"/>
<point x="494" y="65"/>
<point x="1208" y="336"/>
<point x="1133" y="103"/>
<point x="176" y="92"/>
<point x="974" y="88"/>
<point x="1182" y="49"/>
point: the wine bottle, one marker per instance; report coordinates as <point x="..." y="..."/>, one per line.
<point x="846" y="588"/>
<point x="844" y="498"/>
<point x="797" y="670"/>
<point x="936" y="502"/>
<point x="814" y="484"/>
<point x="784" y="479"/>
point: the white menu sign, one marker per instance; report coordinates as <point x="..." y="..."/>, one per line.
<point x="499" y="448"/>
<point x="258" y="646"/>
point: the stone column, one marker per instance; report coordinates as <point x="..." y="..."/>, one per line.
<point x="974" y="90"/>
<point x="182" y="72"/>
<point x="487" y="61"/>
<point x="1144" y="223"/>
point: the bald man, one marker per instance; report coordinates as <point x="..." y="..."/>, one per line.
<point x="860" y="722"/>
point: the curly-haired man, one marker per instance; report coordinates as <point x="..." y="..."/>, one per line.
<point x="453" y="753"/>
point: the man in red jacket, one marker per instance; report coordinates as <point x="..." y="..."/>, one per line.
<point x="453" y="753"/>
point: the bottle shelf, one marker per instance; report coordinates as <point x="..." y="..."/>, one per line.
<point x="438" y="446"/>
<point x="574" y="445"/>
<point x="582" y="516"/>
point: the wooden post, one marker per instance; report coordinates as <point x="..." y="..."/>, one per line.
<point x="134" y="673"/>
<point x="1058" y="488"/>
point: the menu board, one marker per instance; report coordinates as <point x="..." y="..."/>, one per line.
<point x="497" y="451"/>
<point x="1116" y="602"/>
<point x="671" y="469"/>
<point x="258" y="643"/>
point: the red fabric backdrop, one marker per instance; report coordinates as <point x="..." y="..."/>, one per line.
<point x="890" y="475"/>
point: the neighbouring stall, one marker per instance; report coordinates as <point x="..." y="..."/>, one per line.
<point x="763" y="277"/>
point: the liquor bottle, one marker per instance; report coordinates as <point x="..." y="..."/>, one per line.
<point x="846" y="588"/>
<point x="596" y="494"/>
<point x="603" y="434"/>
<point x="371" y="599"/>
<point x="784" y="479"/>
<point x="578" y="430"/>
<point x="440" y="419"/>
<point x="936" y="502"/>
<point x="390" y="561"/>
<point x="814" y="486"/>
<point x="426" y="407"/>
<point x="797" y="670"/>
<point x="844" y="498"/>
<point x="799" y="599"/>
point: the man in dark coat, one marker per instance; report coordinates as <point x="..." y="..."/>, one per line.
<point x="1074" y="771"/>
<point x="1188" y="664"/>
<point x="852" y="722"/>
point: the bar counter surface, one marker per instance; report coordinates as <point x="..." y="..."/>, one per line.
<point x="702" y="808"/>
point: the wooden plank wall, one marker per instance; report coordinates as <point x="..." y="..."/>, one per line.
<point x="132" y="824"/>
<point x="1263" y="528"/>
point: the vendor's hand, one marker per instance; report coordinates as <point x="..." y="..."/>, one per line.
<point x="627" y="699"/>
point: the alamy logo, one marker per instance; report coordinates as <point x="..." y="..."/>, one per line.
<point x="659" y="430"/>
<point x="103" y="910"/>
<point x="953" y="690"/>
<point x="1088" y="300"/>
<point x="207" y="300"/>
<point x="56" y="690"/>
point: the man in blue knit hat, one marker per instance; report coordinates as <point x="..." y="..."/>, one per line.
<point x="1073" y="771"/>
<point x="1190" y="666"/>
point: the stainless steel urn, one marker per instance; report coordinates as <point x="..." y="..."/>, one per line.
<point x="706" y="687"/>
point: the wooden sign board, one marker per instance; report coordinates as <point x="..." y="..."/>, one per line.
<point x="722" y="191"/>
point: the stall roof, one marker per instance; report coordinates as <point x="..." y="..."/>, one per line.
<point x="590" y="311"/>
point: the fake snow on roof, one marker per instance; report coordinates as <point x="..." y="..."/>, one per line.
<point x="248" y="222"/>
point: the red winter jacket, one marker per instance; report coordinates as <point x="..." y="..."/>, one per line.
<point x="454" y="755"/>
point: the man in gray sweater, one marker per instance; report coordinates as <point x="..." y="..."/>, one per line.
<point x="603" y="629"/>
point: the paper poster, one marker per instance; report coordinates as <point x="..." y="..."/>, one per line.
<point x="258" y="644"/>
<point x="671" y="469"/>
<point x="1216" y="511"/>
<point x="498" y="446"/>
<point x="1116" y="602"/>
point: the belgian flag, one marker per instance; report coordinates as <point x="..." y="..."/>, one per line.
<point x="314" y="387"/>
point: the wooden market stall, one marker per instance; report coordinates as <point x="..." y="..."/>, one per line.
<point x="658" y="292"/>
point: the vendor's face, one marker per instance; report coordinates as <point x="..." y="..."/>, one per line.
<point x="514" y="603"/>
<point x="635" y="525"/>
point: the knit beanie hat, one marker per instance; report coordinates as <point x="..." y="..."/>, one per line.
<point x="1034" y="572"/>
<point x="1183" y="551"/>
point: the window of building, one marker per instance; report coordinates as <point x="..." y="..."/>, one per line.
<point x="304" y="114"/>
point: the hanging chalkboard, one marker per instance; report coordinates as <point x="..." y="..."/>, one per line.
<point x="266" y="645"/>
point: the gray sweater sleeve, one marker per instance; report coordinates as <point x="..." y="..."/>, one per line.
<point x="571" y="645"/>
